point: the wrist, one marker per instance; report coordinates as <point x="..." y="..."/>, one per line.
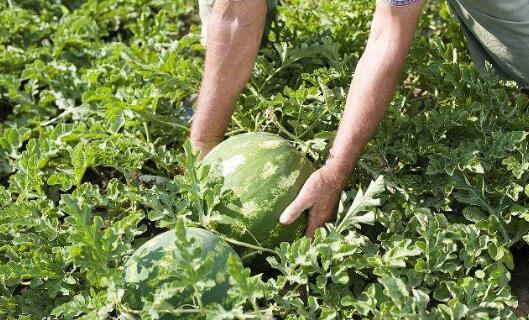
<point x="340" y="168"/>
<point x="204" y="144"/>
<point x="334" y="176"/>
<point x="200" y="136"/>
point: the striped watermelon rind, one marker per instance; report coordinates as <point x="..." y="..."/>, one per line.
<point x="146" y="270"/>
<point x="266" y="173"/>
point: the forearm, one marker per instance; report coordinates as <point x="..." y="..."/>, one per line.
<point x="234" y="34"/>
<point x="371" y="91"/>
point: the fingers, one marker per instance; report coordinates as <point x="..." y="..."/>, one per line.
<point x="315" y="221"/>
<point x="321" y="213"/>
<point x="321" y="199"/>
<point x="312" y="225"/>
<point x="303" y="201"/>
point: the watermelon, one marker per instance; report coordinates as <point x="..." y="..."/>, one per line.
<point x="146" y="270"/>
<point x="266" y="173"/>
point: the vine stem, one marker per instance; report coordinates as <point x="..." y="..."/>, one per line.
<point x="239" y="124"/>
<point x="248" y="255"/>
<point x="293" y="137"/>
<point x="60" y="116"/>
<point x="247" y="245"/>
<point x="490" y="210"/>
<point x="171" y="124"/>
<point x="181" y="311"/>
<point x="317" y="121"/>
<point x="146" y="133"/>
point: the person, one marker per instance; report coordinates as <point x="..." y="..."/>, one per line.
<point x="496" y="31"/>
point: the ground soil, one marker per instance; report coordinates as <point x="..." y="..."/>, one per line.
<point x="520" y="279"/>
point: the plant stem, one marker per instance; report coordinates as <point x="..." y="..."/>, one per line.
<point x="239" y="124"/>
<point x="315" y="122"/>
<point x="62" y="115"/>
<point x="247" y="245"/>
<point x="146" y="133"/>
<point x="171" y="124"/>
<point x="180" y="311"/>
<point x="293" y="137"/>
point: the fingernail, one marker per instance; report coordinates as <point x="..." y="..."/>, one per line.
<point x="284" y="219"/>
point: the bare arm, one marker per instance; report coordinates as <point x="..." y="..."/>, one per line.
<point x="234" y="35"/>
<point x="374" y="82"/>
<point x="372" y="89"/>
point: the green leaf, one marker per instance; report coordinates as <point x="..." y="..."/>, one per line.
<point x="362" y="202"/>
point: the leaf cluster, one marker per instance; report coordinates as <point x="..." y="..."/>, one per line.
<point x="96" y="99"/>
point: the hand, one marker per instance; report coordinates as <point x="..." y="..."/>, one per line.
<point x="320" y="194"/>
<point x="203" y="147"/>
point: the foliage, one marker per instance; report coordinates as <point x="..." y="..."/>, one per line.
<point x="95" y="104"/>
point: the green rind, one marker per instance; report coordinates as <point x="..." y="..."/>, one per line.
<point x="266" y="173"/>
<point x="144" y="271"/>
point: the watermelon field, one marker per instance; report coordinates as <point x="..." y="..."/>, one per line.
<point x="106" y="213"/>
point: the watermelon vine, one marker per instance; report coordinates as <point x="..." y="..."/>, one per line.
<point x="96" y="99"/>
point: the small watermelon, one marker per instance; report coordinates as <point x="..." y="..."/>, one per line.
<point x="147" y="268"/>
<point x="266" y="173"/>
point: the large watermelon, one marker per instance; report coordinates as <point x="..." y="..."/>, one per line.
<point x="146" y="270"/>
<point x="266" y="173"/>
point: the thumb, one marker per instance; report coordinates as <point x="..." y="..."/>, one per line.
<point x="302" y="202"/>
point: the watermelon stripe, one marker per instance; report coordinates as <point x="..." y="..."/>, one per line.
<point x="153" y="264"/>
<point x="266" y="172"/>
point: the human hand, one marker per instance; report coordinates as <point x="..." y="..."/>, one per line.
<point x="203" y="147"/>
<point x="320" y="194"/>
